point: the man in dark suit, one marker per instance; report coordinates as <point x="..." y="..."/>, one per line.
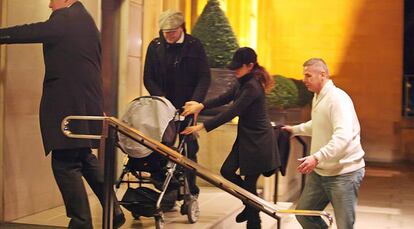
<point x="72" y="86"/>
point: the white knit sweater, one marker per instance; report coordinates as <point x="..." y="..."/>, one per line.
<point x="335" y="132"/>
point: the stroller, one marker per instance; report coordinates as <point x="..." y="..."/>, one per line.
<point x="157" y="118"/>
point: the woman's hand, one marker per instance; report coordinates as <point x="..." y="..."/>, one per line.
<point x="192" y="107"/>
<point x="192" y="129"/>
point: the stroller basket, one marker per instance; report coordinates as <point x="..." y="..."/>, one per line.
<point x="142" y="201"/>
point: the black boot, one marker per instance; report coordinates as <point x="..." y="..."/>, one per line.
<point x="242" y="216"/>
<point x="118" y="217"/>
<point x="118" y="220"/>
<point x="253" y="220"/>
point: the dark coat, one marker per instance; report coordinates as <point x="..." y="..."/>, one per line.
<point x="72" y="84"/>
<point x="255" y="142"/>
<point x="191" y="79"/>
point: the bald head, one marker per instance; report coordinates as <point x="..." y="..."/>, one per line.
<point x="315" y="74"/>
<point x="317" y="64"/>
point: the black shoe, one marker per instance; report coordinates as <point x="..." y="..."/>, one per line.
<point x="242" y="216"/>
<point x="119" y="220"/>
<point x="254" y="225"/>
<point x="253" y="220"/>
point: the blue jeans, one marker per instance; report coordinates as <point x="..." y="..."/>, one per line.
<point x="341" y="191"/>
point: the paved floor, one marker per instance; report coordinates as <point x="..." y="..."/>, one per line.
<point x="386" y="199"/>
<point x="386" y="202"/>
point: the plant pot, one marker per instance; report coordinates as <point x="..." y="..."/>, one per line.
<point x="289" y="116"/>
<point x="222" y="80"/>
<point x="277" y="116"/>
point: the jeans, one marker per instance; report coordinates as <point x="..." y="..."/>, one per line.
<point x="341" y="191"/>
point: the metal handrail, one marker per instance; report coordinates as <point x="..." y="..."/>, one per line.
<point x="218" y="181"/>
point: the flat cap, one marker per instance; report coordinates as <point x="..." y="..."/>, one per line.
<point x="170" y="20"/>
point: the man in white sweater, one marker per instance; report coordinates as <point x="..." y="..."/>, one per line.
<point x="335" y="166"/>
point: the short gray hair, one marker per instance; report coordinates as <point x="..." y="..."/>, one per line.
<point x="319" y="62"/>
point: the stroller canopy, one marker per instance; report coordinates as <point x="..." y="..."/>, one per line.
<point x="151" y="115"/>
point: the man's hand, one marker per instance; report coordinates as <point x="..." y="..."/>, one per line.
<point x="308" y="164"/>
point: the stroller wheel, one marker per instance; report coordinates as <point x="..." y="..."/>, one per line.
<point x="193" y="211"/>
<point x="159" y="221"/>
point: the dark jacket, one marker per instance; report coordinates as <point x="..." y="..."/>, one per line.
<point x="72" y="84"/>
<point x="190" y="79"/>
<point x="255" y="142"/>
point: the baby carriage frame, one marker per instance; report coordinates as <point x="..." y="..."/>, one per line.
<point x="174" y="184"/>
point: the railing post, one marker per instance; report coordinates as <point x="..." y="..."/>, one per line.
<point x="304" y="154"/>
<point x="109" y="173"/>
<point x="408" y="99"/>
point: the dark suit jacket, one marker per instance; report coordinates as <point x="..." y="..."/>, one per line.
<point x="255" y="142"/>
<point x="72" y="84"/>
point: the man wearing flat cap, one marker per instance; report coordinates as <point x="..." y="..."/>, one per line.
<point x="176" y="68"/>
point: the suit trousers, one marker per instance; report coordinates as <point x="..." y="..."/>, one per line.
<point x="69" y="166"/>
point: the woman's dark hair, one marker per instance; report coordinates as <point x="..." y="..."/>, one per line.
<point x="261" y="74"/>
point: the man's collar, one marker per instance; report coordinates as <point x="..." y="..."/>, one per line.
<point x="181" y="40"/>
<point x="71" y="4"/>
<point x="329" y="84"/>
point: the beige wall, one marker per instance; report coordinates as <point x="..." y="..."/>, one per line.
<point x="371" y="72"/>
<point x="29" y="185"/>
<point x="130" y="61"/>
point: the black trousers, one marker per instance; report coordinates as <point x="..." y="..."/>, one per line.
<point x="69" y="166"/>
<point x="228" y="171"/>
<point x="192" y="149"/>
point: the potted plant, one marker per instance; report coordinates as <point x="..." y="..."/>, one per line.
<point x="287" y="99"/>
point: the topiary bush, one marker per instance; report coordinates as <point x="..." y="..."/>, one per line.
<point x="284" y="95"/>
<point x="288" y="93"/>
<point x="216" y="35"/>
<point x="304" y="95"/>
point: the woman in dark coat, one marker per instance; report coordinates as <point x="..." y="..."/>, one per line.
<point x="254" y="149"/>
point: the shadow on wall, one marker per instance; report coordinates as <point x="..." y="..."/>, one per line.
<point x="371" y="73"/>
